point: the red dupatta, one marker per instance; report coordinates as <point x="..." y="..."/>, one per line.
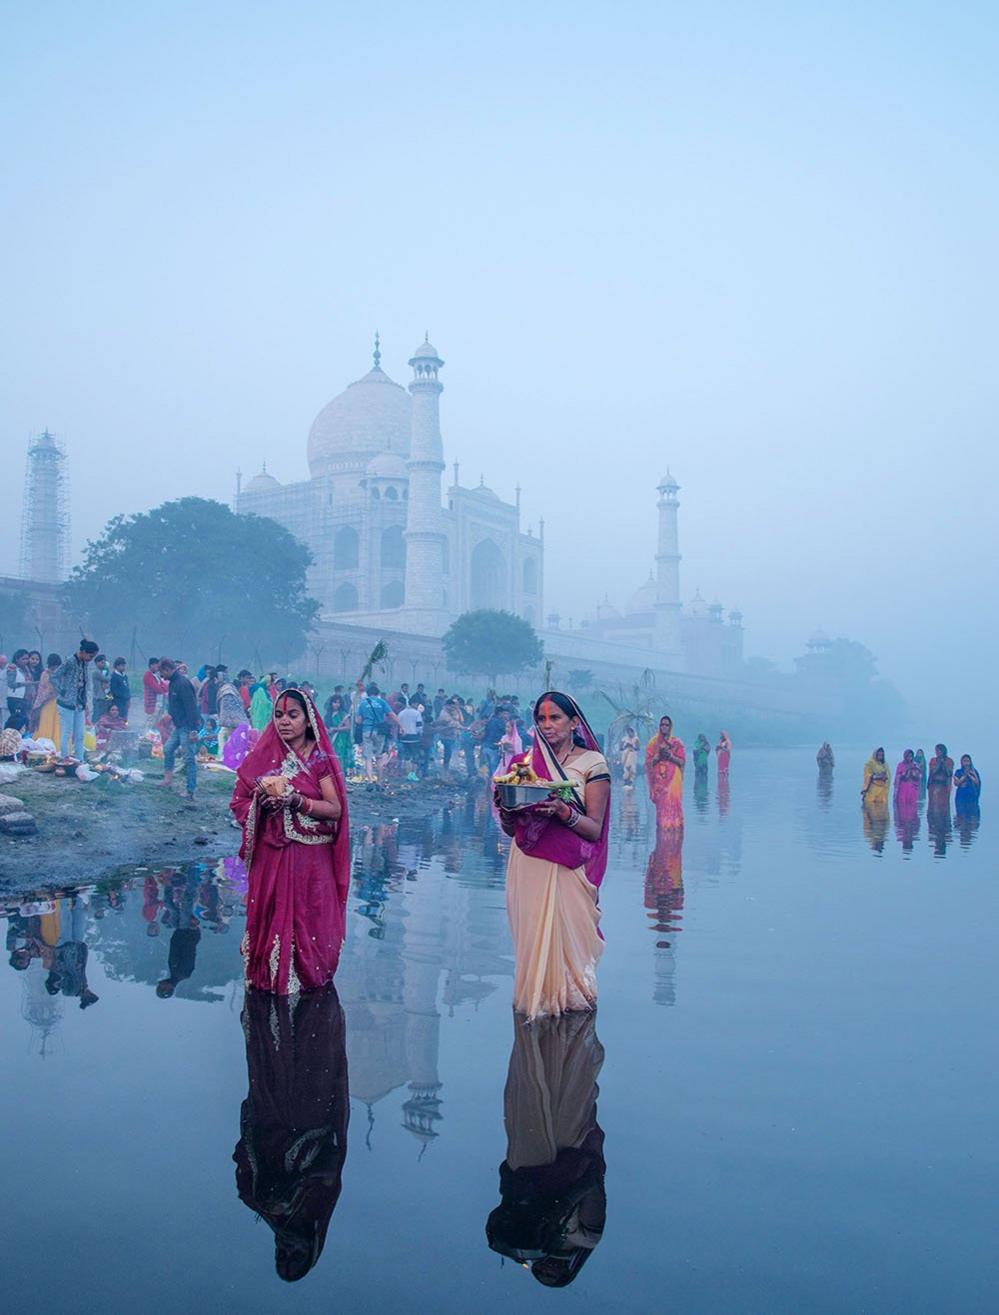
<point x="547" y="837"/>
<point x="271" y="756"/>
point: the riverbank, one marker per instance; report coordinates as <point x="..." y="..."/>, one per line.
<point x="86" y="829"/>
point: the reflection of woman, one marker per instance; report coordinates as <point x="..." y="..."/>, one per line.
<point x="875" y="789"/>
<point x="296" y="850"/>
<point x="557" y="861"/>
<point x="724" y="751"/>
<point x="664" y="761"/>
<point x="293" y="1123"/>
<point x="627" y="748"/>
<point x="553" y="1204"/>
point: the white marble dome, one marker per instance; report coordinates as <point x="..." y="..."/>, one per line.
<point x="370" y="416"/>
<point x="387" y="465"/>
<point x="262" y="483"/>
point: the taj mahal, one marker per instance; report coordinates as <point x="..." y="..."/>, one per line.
<point x="394" y="550"/>
<point x="386" y="550"/>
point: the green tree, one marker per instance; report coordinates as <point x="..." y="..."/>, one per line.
<point x="491" y="644"/>
<point x="581" y="678"/>
<point x="191" y="578"/>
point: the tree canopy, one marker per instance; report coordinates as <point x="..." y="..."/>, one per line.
<point x="193" y="579"/>
<point x="491" y="643"/>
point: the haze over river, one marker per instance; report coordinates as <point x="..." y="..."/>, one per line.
<point x="793" y="1066"/>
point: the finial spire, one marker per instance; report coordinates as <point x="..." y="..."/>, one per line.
<point x="377" y="354"/>
<point x="426" y="335"/>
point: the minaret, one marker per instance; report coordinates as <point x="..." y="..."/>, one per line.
<point x="667" y="633"/>
<point x="425" y="516"/>
<point x="45" y="513"/>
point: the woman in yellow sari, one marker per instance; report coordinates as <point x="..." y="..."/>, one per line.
<point x="45" y="711"/>
<point x="877" y="778"/>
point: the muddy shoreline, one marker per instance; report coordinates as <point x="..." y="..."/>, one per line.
<point x="87" y="830"/>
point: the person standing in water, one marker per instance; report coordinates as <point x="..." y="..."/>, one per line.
<point x="939" y="778"/>
<point x="557" y="861"/>
<point x="665" y="757"/>
<point x="874" y="792"/>
<point x="291" y="802"/>
<point x="724" y="751"/>
<point x="907" y="783"/>
<point x="627" y="748"/>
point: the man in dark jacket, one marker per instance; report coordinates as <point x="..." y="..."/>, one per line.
<point x="182" y="704"/>
<point x="74" y="696"/>
<point x="121" y="691"/>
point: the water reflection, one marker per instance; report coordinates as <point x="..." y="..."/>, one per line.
<point x="824" y="787"/>
<point x="967" y="820"/>
<point x="939" y="824"/>
<point x="664" y="903"/>
<point x="293" y="1122"/>
<point x="52" y="933"/>
<point x="907" y="823"/>
<point x="553" y="1205"/>
<point x="875" y="815"/>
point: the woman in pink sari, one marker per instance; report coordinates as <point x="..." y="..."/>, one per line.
<point x="665" y="758"/>
<point x="296" y="851"/>
<point x="724" y="751"/>
<point x="557" y="861"/>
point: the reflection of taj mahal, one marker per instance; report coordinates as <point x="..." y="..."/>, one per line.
<point x="386" y="550"/>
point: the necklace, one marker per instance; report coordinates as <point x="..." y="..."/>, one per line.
<point x="566" y="756"/>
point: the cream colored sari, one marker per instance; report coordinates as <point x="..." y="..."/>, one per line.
<point x="554" y="919"/>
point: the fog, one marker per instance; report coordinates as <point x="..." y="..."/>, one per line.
<point x="752" y="243"/>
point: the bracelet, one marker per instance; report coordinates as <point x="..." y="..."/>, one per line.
<point x="302" y="801"/>
<point x="573" y="818"/>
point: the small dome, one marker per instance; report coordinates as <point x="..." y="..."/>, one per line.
<point x="387" y="465"/>
<point x="262" y="483"/>
<point x="426" y="351"/>
<point x="668" y="482"/>
<point x="643" y="599"/>
<point x="372" y="415"/>
<point x="606" y="611"/>
<point x="698" y="607"/>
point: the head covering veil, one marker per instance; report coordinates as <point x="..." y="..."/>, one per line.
<point x="547" y="837"/>
<point x="271" y="756"/>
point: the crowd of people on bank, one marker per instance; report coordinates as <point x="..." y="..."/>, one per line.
<point x="82" y="700"/>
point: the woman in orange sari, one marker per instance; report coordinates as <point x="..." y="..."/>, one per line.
<point x="665" y="757"/>
<point x="291" y="803"/>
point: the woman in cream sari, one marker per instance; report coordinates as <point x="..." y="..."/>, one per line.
<point x="557" y="861"/>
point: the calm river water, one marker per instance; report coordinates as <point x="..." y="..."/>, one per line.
<point x="795" y="1052"/>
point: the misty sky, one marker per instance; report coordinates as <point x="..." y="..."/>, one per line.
<point x="753" y="242"/>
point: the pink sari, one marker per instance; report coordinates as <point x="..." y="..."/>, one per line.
<point x="298" y="868"/>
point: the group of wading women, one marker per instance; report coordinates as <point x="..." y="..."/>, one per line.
<point x="291" y="804"/>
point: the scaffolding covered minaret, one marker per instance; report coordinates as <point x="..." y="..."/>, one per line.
<point x="45" y="515"/>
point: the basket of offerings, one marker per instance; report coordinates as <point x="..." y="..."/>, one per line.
<point x="522" y="787"/>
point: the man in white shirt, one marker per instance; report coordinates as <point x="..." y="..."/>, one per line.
<point x="410" y="736"/>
